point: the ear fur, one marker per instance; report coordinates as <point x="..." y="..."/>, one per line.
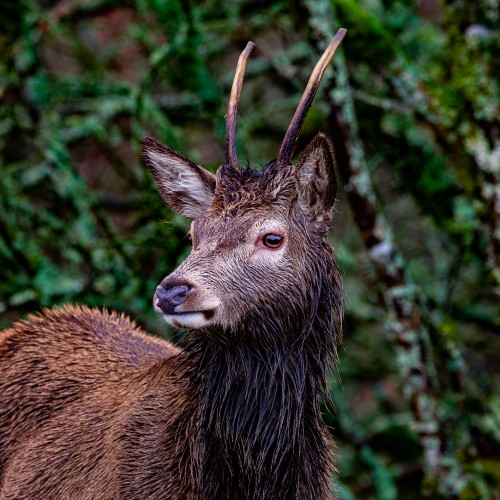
<point x="188" y="188"/>
<point x="315" y="179"/>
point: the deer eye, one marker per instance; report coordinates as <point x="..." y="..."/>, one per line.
<point x="272" y="240"/>
<point x="188" y="238"/>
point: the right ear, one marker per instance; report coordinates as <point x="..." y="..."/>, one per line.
<point x="188" y="188"/>
<point x="315" y="179"/>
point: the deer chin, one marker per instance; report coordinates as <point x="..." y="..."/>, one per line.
<point x="191" y="320"/>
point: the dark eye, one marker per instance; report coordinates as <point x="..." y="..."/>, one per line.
<point x="272" y="240"/>
<point x="188" y="238"/>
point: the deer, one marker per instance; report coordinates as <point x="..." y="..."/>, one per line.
<point x="92" y="407"/>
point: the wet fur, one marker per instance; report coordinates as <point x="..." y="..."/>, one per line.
<point x="92" y="408"/>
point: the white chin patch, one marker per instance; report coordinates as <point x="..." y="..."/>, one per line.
<point x="187" y="320"/>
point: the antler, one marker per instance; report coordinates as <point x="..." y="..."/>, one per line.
<point x="292" y="133"/>
<point x="232" y="109"/>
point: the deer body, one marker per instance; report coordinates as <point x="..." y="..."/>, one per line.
<point x="92" y="408"/>
<point x="71" y="378"/>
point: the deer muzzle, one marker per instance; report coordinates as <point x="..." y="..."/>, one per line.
<point x="183" y="305"/>
<point x="168" y="299"/>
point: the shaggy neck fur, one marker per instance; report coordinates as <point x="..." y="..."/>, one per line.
<point x="258" y="428"/>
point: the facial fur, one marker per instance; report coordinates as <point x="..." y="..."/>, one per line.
<point x="232" y="272"/>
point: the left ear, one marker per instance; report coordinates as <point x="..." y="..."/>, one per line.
<point x="188" y="188"/>
<point x="315" y="179"/>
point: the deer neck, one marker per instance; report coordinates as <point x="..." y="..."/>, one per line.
<point x="259" y="431"/>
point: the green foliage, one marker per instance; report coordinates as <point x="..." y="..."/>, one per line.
<point x="81" y="222"/>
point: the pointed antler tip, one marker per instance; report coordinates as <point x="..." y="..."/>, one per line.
<point x="246" y="52"/>
<point x="292" y="133"/>
<point x="231" y="157"/>
<point x="341" y="33"/>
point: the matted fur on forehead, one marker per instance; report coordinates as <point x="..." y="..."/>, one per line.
<point x="243" y="189"/>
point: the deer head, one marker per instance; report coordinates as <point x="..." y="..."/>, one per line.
<point x="259" y="249"/>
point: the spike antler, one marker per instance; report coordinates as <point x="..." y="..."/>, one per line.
<point x="292" y="133"/>
<point x="232" y="109"/>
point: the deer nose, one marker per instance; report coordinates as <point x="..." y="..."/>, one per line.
<point x="168" y="297"/>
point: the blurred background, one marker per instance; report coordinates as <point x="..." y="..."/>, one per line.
<point x="412" y="104"/>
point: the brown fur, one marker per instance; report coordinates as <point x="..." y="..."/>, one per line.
<point x="71" y="380"/>
<point x="92" y="408"/>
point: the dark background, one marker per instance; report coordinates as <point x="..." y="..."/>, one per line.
<point x="412" y="104"/>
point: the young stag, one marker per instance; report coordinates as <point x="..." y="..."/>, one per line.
<point x="92" y="408"/>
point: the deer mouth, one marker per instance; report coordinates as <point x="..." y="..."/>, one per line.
<point x="190" y="319"/>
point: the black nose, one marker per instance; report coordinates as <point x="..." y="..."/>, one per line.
<point x="168" y="297"/>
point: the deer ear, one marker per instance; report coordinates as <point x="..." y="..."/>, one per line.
<point x="315" y="179"/>
<point x="188" y="188"/>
